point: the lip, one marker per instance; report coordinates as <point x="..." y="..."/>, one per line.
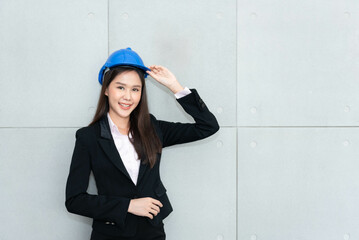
<point x="125" y="108"/>
<point x="126" y="103"/>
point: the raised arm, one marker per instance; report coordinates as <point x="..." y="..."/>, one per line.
<point x="175" y="132"/>
<point x="205" y="125"/>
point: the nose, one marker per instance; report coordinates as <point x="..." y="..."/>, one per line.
<point x="127" y="95"/>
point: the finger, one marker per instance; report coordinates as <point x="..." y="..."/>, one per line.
<point x="149" y="215"/>
<point x="151" y="73"/>
<point x="158" y="203"/>
<point x="160" y="67"/>
<point x="152" y="68"/>
<point x="155" y="207"/>
<point x="154" y="212"/>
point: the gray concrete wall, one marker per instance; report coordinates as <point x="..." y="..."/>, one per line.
<point x="280" y="76"/>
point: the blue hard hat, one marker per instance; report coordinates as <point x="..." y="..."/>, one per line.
<point x="123" y="57"/>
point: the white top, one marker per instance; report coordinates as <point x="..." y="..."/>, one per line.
<point x="125" y="148"/>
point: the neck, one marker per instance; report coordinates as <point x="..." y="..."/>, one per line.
<point x="121" y="123"/>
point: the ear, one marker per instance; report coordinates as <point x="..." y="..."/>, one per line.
<point x="106" y="92"/>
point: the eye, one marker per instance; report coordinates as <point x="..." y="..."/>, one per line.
<point x="136" y="89"/>
<point x="120" y="87"/>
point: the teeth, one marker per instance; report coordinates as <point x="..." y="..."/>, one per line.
<point x="124" y="105"/>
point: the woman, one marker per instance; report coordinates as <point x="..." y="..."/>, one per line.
<point x="122" y="147"/>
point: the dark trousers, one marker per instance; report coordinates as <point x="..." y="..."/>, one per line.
<point x="145" y="232"/>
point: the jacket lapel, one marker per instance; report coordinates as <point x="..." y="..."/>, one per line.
<point x="108" y="145"/>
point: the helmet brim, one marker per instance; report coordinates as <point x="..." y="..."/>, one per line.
<point x="104" y="68"/>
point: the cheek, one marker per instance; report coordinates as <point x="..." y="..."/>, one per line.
<point x="114" y="94"/>
<point x="138" y="98"/>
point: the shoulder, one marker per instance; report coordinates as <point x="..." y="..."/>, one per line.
<point x="156" y="124"/>
<point x="154" y="120"/>
<point x="86" y="134"/>
<point x="88" y="130"/>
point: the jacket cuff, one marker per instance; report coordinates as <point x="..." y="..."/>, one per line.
<point x="194" y="97"/>
<point x="182" y="93"/>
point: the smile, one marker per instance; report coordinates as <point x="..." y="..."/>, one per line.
<point x="125" y="106"/>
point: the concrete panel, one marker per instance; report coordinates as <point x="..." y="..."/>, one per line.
<point x="298" y="183"/>
<point x="33" y="172"/>
<point x="51" y="52"/>
<point x="196" y="40"/>
<point x="200" y="178"/>
<point x="298" y="63"/>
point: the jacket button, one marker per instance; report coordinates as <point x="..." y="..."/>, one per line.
<point x="107" y="223"/>
<point x="113" y="223"/>
<point x="200" y="100"/>
<point x="203" y="105"/>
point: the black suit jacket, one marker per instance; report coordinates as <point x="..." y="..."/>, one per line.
<point x="96" y="151"/>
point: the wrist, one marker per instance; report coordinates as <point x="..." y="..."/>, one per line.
<point x="176" y="87"/>
<point x="130" y="207"/>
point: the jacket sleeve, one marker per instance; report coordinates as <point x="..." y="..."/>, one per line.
<point x="205" y="122"/>
<point x="78" y="201"/>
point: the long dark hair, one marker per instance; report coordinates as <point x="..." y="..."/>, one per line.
<point x="144" y="137"/>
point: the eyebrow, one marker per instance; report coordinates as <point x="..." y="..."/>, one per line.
<point x="126" y="85"/>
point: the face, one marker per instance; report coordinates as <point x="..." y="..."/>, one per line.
<point x="124" y="94"/>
